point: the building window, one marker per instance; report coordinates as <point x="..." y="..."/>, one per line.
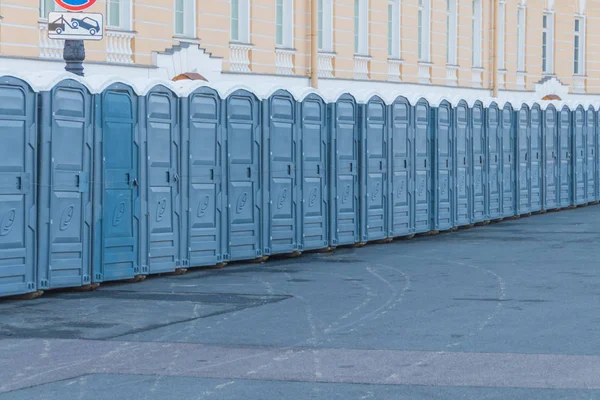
<point x="501" y="35"/>
<point x="325" y="25"/>
<point x="521" y="26"/>
<point x="394" y="28"/>
<point x="240" y="16"/>
<point x="284" y="25"/>
<point x="185" y="22"/>
<point x="548" y="43"/>
<point x="476" y="36"/>
<point x="361" y="27"/>
<point x="118" y="14"/>
<point x="451" y="32"/>
<point x="423" y="30"/>
<point x="579" y="47"/>
<point x="47" y="6"/>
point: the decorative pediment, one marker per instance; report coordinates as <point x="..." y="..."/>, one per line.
<point x="550" y="86"/>
<point x="187" y="58"/>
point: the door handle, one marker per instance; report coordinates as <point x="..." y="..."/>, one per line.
<point x="212" y="174"/>
<point x="128" y="178"/>
<point x="446" y="163"/>
<point x="134" y="182"/>
<point x="249" y="172"/>
<point x="350" y="167"/>
<point x="404" y="163"/>
<point x="289" y="169"/>
<point x="525" y="156"/>
<point x="19" y="183"/>
<point x="318" y="169"/>
<point x="168" y="176"/>
<point x="537" y="155"/>
<point x="464" y="160"/>
<point x="509" y="158"/>
<point x="480" y="160"/>
<point x="381" y="165"/>
<point x="425" y="163"/>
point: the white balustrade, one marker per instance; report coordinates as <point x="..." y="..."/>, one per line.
<point x="239" y="57"/>
<point x="477" y="77"/>
<point x="424" y="73"/>
<point x="579" y="83"/>
<point x="394" y="73"/>
<point x="452" y="75"/>
<point x="502" y="79"/>
<point x="326" y="65"/>
<point x="361" y="67"/>
<point x="521" y="80"/>
<point x="284" y="61"/>
<point x="49" y="48"/>
<point x="118" y="46"/>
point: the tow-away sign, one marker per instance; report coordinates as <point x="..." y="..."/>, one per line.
<point x="75" y="26"/>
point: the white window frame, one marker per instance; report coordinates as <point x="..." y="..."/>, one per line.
<point x="548" y="43"/>
<point x="325" y="25"/>
<point x="286" y="24"/>
<point x="394" y="40"/>
<point x="521" y="37"/>
<point x="477" y="31"/>
<point x="451" y="32"/>
<point x="243" y="21"/>
<point x="501" y="34"/>
<point x="189" y="19"/>
<point x="47" y="6"/>
<point x="580" y="70"/>
<point x="424" y="30"/>
<point x="361" y="27"/>
<point x="125" y="13"/>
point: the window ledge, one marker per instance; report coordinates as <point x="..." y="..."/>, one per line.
<point x="285" y="48"/>
<point x="187" y="39"/>
<point x="478" y="69"/>
<point x="426" y="63"/>
<point x="328" y="53"/>
<point x="452" y="66"/>
<point x="237" y="43"/>
<point x="395" y="60"/>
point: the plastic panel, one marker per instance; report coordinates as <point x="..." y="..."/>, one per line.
<point x="402" y="163"/>
<point x="314" y="191"/>
<point x="116" y="189"/>
<point x="373" y="170"/>
<point x="590" y="151"/>
<point x="161" y="181"/>
<point x="524" y="165"/>
<point x="463" y="164"/>
<point x="344" y="170"/>
<point x="18" y="208"/>
<point x="550" y="188"/>
<point x="494" y="163"/>
<point x="202" y="145"/>
<point x="423" y="158"/>
<point x="508" y="162"/>
<point x="280" y="174"/>
<point x="244" y="184"/>
<point x="565" y="162"/>
<point x="480" y="195"/>
<point x="65" y="215"/>
<point x="443" y="193"/>
<point x="536" y="155"/>
<point x="579" y="157"/>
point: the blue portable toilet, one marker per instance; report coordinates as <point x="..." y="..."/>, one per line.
<point x="479" y="172"/>
<point x="203" y="152"/>
<point x="550" y="132"/>
<point x="462" y="165"/>
<point x="313" y="136"/>
<point x="507" y="128"/>
<point x="344" y="188"/>
<point x="244" y="183"/>
<point x="402" y="169"/>
<point x="373" y="170"/>
<point x="160" y="181"/>
<point x="423" y="167"/>
<point x="18" y="172"/>
<point x="524" y="153"/>
<point x="535" y="159"/>
<point x="591" y="145"/>
<point x="65" y="193"/>
<point x="443" y="176"/>
<point x="565" y="163"/>
<point x="579" y="158"/>
<point x="116" y="189"/>
<point x="494" y="163"/>
<point x="597" y="156"/>
<point x="280" y="175"/>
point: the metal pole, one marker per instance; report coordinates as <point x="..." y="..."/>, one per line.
<point x="74" y="54"/>
<point x="314" y="44"/>
<point x="495" y="49"/>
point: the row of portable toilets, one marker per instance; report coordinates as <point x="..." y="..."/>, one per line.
<point x="110" y="184"/>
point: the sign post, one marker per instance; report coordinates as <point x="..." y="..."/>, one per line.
<point x="74" y="27"/>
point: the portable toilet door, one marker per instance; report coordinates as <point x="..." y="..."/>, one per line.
<point x="478" y="156"/>
<point x="423" y="159"/>
<point x="462" y="164"/>
<point x="579" y="158"/>
<point x="524" y="150"/>
<point x="344" y="215"/>
<point x="373" y="171"/>
<point x="597" y="157"/>
<point x="65" y="197"/>
<point x="402" y="160"/>
<point x="590" y="138"/>
<point x="494" y="165"/>
<point x="203" y="152"/>
<point x="244" y="183"/>
<point x="508" y="162"/>
<point x="565" y="156"/>
<point x="550" y="186"/>
<point x="116" y="189"/>
<point x="313" y="136"/>
<point x="161" y="198"/>
<point x="280" y="172"/>
<point x="535" y="159"/>
<point x="443" y="193"/>
<point x="18" y="203"/>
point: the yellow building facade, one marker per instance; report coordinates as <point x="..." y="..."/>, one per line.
<point x="541" y="46"/>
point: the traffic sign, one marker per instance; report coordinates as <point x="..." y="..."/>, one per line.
<point x="75" y="26"/>
<point x="75" y="5"/>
